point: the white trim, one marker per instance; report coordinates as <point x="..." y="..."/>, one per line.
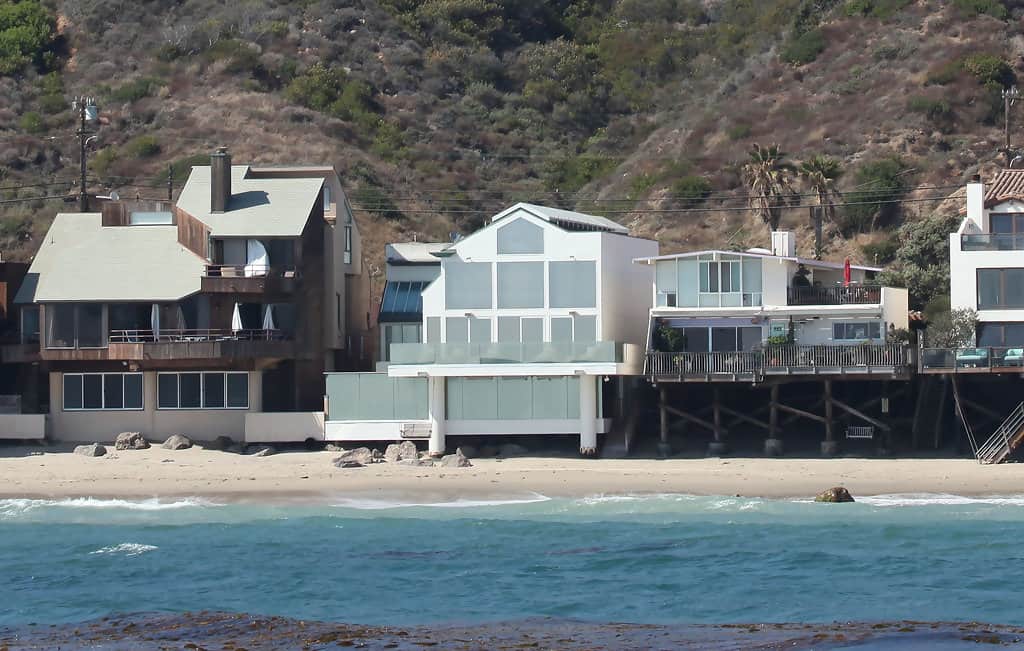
<point x="202" y="393"/>
<point x="503" y="370"/>
<point x="103" y="391"/>
<point x="807" y="262"/>
<point x="515" y="427"/>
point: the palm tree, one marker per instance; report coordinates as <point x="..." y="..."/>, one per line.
<point x="770" y="179"/>
<point x="821" y="173"/>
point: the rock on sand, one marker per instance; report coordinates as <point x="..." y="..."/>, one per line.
<point x="836" y="494"/>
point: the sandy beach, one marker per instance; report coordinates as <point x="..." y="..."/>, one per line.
<point x="33" y="472"/>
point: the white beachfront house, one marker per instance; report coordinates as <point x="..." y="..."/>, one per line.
<point x="526" y="317"/>
<point x="709" y="305"/>
<point x="986" y="267"/>
<point x="409" y="268"/>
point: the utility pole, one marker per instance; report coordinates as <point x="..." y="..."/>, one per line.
<point x="1010" y="95"/>
<point x="170" y="183"/>
<point x="87" y="112"/>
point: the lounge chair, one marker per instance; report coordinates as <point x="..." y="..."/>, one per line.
<point x="972" y="358"/>
<point x="1014" y="357"/>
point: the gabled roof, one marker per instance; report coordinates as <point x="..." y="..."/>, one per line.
<point x="807" y="262"/>
<point x="566" y="219"/>
<point x="1007" y="186"/>
<point x="414" y="252"/>
<point x="259" y="206"/>
<point x="81" y="260"/>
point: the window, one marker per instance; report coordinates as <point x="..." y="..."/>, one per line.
<point x="1000" y="289"/>
<point x="573" y="284"/>
<point x="666" y="299"/>
<point x="1001" y="334"/>
<point x="327" y="198"/>
<point x="348" y="245"/>
<point x="142" y="218"/>
<point x="399" y="333"/>
<point x="76" y="326"/>
<point x="337" y="310"/>
<point x="730" y="281"/>
<point x="30" y="325"/>
<point x="102" y="391"/>
<point x="520" y="284"/>
<point x="467" y="285"/>
<point x="212" y="390"/>
<point x="857" y="331"/>
<point x="520" y="236"/>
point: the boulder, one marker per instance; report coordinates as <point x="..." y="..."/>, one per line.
<point x="363" y="456"/>
<point x="264" y="451"/>
<point x="334" y="447"/>
<point x="177" y="442"/>
<point x="457" y="460"/>
<point x="348" y="464"/>
<point x="219" y="443"/>
<point x="130" y="441"/>
<point x="393" y="453"/>
<point x="376" y="456"/>
<point x="426" y="463"/>
<point x="512" y="450"/>
<point x="836" y="494"/>
<point x="407" y="450"/>
<point x="91" y="450"/>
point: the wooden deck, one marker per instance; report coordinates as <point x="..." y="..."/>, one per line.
<point x="876" y="362"/>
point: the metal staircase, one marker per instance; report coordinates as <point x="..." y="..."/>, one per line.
<point x="1005" y="440"/>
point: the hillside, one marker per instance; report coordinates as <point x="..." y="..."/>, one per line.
<point x="439" y="113"/>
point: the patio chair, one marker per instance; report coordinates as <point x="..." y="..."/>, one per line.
<point x="1014" y="357"/>
<point x="972" y="358"/>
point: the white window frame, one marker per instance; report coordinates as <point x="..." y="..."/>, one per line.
<point x="103" y="393"/>
<point x="881" y="331"/>
<point x="348" y="244"/>
<point x="202" y="393"/>
<point x="327" y="198"/>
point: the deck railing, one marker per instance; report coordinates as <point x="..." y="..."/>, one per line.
<point x="249" y="271"/>
<point x="973" y="359"/>
<point x="992" y="242"/>
<point x="839" y="295"/>
<point x="193" y="336"/>
<point x="781" y="360"/>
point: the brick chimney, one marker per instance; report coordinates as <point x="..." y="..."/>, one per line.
<point x="220" y="180"/>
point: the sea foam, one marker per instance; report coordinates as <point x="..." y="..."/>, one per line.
<point x="126" y="549"/>
<point x="941" y="499"/>
<point x="12" y="508"/>
<point x="379" y="505"/>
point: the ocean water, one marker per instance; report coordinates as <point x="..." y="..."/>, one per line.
<point x="668" y="560"/>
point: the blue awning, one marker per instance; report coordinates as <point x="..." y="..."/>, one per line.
<point x="402" y="301"/>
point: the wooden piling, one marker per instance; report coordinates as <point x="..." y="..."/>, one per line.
<point x="773" y="418"/>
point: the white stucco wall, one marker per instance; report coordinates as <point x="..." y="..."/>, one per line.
<point x="964" y="265"/>
<point x="624" y="299"/>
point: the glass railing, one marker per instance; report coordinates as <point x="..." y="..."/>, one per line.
<point x="507" y="353"/>
<point x="992" y="242"/>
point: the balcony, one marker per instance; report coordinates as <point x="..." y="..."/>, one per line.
<point x="992" y="359"/>
<point x="249" y="279"/>
<point x="992" y="242"/>
<point x="755" y="366"/>
<point x="838" y="295"/>
<point x="208" y="344"/>
<point x="507" y="353"/>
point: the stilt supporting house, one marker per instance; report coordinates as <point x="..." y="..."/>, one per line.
<point x="829" y="447"/>
<point x="773" y="444"/>
<point x="664" y="449"/>
<point x="588" y="415"/>
<point x="717" y="446"/>
<point x="436" y="415"/>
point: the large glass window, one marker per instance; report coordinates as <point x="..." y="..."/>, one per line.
<point x="75" y="326"/>
<point x="520" y="236"/>
<point x="91" y="333"/>
<point x="60" y="325"/>
<point x="1000" y="289"/>
<point x="573" y="284"/>
<point x="399" y="333"/>
<point x="1001" y="334"/>
<point x="520" y="284"/>
<point x="106" y="391"/>
<point x="857" y="331"/>
<point x="212" y="390"/>
<point x="467" y="285"/>
<point x="731" y="281"/>
<point x="30" y="324"/>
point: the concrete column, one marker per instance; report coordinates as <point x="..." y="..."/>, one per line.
<point x="664" y="449"/>
<point x="829" y="447"/>
<point x="588" y="415"/>
<point x="717" y="447"/>
<point x="435" y="387"/>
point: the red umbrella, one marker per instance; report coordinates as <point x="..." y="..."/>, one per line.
<point x="846" y="273"/>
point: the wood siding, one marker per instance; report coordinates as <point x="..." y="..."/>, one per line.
<point x="193" y="234"/>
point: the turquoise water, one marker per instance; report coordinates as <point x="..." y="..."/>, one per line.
<point x="662" y="559"/>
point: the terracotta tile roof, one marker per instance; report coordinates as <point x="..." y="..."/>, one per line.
<point x="1009" y="184"/>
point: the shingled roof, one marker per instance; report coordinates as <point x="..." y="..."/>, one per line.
<point x="1008" y="185"/>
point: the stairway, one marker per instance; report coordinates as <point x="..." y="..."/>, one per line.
<point x="1005" y="440"/>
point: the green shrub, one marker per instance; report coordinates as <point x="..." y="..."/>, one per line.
<point x="938" y="111"/>
<point x="692" y="189"/>
<point x="875" y="8"/>
<point x="32" y="123"/>
<point x="51" y="94"/>
<point x="738" y="131"/>
<point x="26" y="31"/>
<point x="992" y="8"/>
<point x="988" y="69"/>
<point x="571" y="173"/>
<point x="133" y="91"/>
<point x="142" y="147"/>
<point x="804" y="48"/>
<point x="375" y="199"/>
<point x="389" y="142"/>
<point x="878" y="183"/>
<point x="181" y="168"/>
<point x="641" y="183"/>
<point x="329" y="90"/>
<point x="102" y="160"/>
